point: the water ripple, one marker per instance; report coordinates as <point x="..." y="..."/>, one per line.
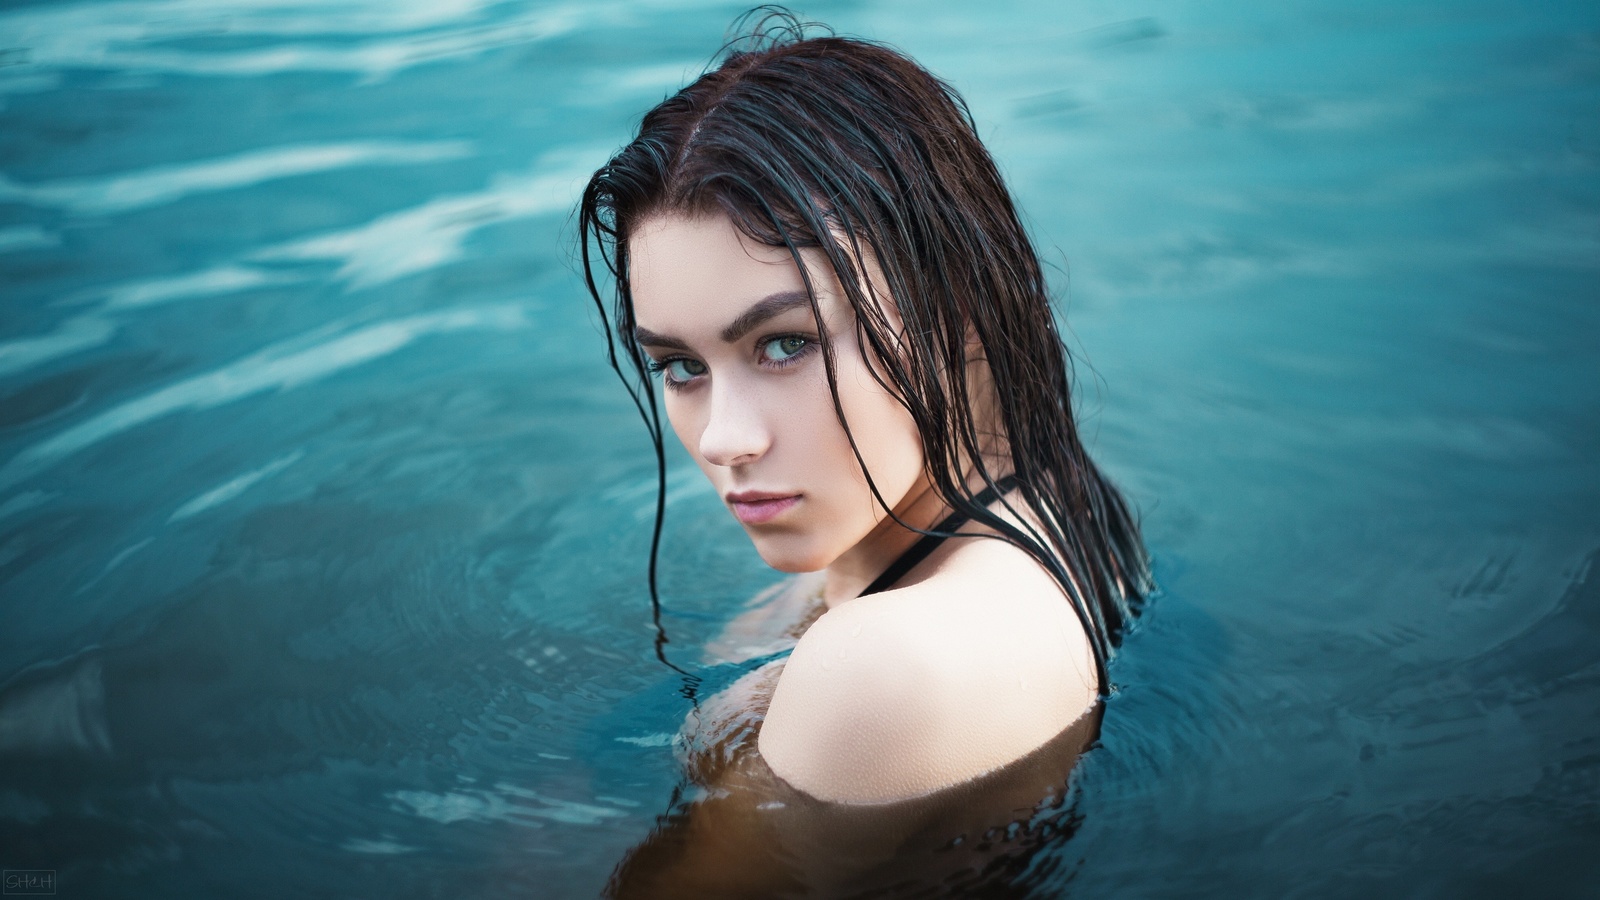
<point x="71" y="336"/>
<point x="165" y="184"/>
<point x="279" y="367"/>
<point x="89" y="29"/>
<point x="234" y="487"/>
<point x="26" y="237"/>
<point x="119" y="36"/>
<point x="224" y="279"/>
<point x="424" y="237"/>
<point x="506" y="803"/>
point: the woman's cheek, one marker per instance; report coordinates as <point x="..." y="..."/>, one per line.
<point x="887" y="436"/>
<point x="688" y="423"/>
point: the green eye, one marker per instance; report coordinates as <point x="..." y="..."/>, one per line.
<point x="784" y="348"/>
<point x="684" y="369"/>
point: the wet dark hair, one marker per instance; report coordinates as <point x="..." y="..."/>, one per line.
<point x="849" y="147"/>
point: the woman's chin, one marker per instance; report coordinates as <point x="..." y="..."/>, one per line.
<point x="789" y="554"/>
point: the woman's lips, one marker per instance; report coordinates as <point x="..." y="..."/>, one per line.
<point x="754" y="508"/>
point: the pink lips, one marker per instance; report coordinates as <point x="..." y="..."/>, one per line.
<point x="757" y="507"/>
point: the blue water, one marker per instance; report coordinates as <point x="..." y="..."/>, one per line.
<point x="323" y="524"/>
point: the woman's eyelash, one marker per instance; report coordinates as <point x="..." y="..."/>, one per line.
<point x="670" y="378"/>
<point x="659" y="367"/>
<point x="807" y="344"/>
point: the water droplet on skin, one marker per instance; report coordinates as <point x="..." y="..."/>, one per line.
<point x="1022" y="682"/>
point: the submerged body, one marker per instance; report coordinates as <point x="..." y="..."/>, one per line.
<point x="745" y="832"/>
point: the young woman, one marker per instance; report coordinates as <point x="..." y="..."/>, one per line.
<point x="814" y="252"/>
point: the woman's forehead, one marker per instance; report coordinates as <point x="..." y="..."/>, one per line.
<point x="697" y="269"/>
<point x="671" y="250"/>
<point x="703" y="273"/>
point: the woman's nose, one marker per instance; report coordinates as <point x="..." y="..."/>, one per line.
<point x="736" y="432"/>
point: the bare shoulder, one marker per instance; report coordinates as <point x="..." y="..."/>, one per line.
<point x="903" y="693"/>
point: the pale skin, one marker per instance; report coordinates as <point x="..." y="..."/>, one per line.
<point x="974" y="658"/>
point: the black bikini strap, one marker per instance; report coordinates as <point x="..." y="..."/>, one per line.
<point x="919" y="551"/>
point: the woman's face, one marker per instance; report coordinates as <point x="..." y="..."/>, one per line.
<point x="731" y="330"/>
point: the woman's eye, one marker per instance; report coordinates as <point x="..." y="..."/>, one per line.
<point x="780" y="349"/>
<point x="684" y="369"/>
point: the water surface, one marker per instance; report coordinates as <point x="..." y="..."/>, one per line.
<point x="322" y="522"/>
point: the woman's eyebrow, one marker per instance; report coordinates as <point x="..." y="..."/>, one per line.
<point x="647" y="338"/>
<point x="760" y="311"/>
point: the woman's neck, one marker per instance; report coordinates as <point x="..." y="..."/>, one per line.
<point x="859" y="566"/>
<point x="850" y="574"/>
